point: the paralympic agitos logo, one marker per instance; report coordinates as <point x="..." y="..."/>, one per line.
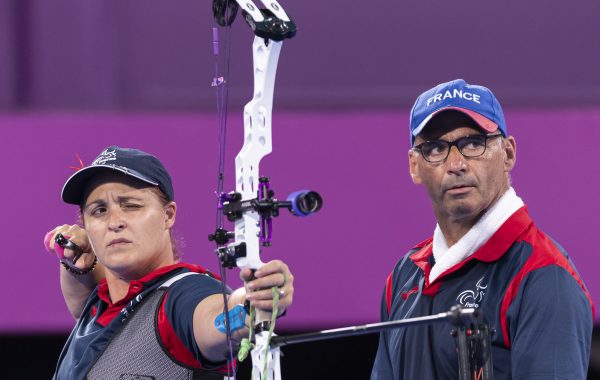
<point x="472" y="298"/>
<point x="104" y="157"/>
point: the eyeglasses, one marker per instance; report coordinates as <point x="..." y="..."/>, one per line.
<point x="469" y="146"/>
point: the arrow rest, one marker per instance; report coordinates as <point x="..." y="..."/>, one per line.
<point x="228" y="256"/>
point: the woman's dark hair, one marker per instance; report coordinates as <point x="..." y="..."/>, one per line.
<point x="164" y="200"/>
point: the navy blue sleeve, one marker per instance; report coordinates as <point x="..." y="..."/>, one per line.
<point x="182" y="298"/>
<point x="382" y="368"/>
<point x="550" y="325"/>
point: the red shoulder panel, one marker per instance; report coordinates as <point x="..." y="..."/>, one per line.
<point x="388" y="292"/>
<point x="545" y="253"/>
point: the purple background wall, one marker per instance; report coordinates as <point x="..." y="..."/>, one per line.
<point x="78" y="75"/>
<point x="155" y="53"/>
<point x="342" y="255"/>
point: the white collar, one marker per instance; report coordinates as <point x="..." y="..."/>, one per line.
<point x="446" y="257"/>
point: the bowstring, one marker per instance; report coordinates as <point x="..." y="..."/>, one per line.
<point x="220" y="82"/>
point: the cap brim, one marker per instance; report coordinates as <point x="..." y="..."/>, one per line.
<point x="482" y="121"/>
<point x="75" y="186"/>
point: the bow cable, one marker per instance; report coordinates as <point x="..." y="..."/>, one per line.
<point x="221" y="85"/>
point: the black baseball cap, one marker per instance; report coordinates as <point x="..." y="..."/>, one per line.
<point x="131" y="162"/>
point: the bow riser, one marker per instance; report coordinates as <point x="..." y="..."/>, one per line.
<point x="272" y="357"/>
<point x="257" y="144"/>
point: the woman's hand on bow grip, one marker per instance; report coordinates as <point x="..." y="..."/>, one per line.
<point x="259" y="285"/>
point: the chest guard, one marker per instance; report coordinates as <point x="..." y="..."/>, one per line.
<point x="136" y="352"/>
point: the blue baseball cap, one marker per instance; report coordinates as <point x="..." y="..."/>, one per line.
<point x="131" y="162"/>
<point x="477" y="102"/>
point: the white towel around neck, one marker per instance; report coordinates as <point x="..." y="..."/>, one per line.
<point x="446" y="257"/>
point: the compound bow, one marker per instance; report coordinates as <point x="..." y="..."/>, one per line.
<point x="252" y="206"/>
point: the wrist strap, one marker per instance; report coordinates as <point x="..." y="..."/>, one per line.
<point x="77" y="271"/>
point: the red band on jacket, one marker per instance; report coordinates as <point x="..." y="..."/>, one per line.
<point x="171" y="341"/>
<point x="545" y="253"/>
<point x="388" y="292"/>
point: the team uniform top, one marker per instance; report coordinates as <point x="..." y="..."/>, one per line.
<point x="526" y="286"/>
<point x="102" y="319"/>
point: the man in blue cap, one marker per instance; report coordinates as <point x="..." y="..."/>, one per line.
<point x="485" y="253"/>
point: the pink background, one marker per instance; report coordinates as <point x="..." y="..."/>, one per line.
<point x="79" y="75"/>
<point x="341" y="256"/>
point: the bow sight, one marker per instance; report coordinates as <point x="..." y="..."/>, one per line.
<point x="300" y="203"/>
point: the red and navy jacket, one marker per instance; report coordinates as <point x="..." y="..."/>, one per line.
<point x="526" y="286"/>
<point x="101" y="320"/>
